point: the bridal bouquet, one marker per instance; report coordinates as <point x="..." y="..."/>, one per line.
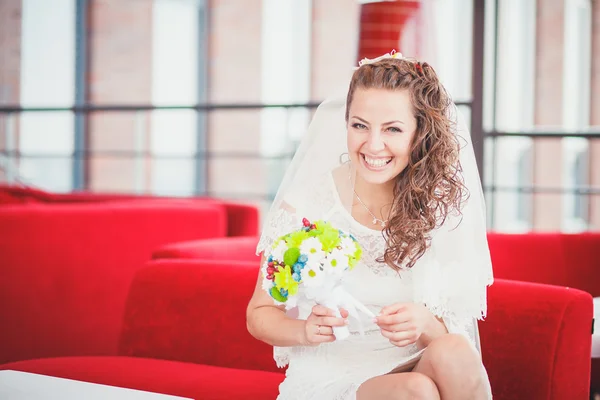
<point x="311" y="262"/>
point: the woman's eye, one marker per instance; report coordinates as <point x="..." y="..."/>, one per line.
<point x="359" y="126"/>
<point x="394" y="129"/>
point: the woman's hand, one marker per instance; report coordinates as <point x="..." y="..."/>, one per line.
<point x="404" y="323"/>
<point x="318" y="327"/>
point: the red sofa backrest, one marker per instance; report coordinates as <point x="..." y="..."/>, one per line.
<point x="194" y="311"/>
<point x="562" y="259"/>
<point x="241" y="248"/>
<point x="242" y="219"/>
<point x="66" y="269"/>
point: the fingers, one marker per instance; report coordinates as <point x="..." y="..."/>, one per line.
<point x="331" y="321"/>
<point x="392" y="319"/>
<point x="344" y="313"/>
<point x="323" y="330"/>
<point x="401" y="338"/>
<point x="317" y="334"/>
<point x="402" y="327"/>
<point x="322" y="311"/>
<point x="393" y="309"/>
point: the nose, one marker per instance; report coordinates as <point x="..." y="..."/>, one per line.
<point x="375" y="142"/>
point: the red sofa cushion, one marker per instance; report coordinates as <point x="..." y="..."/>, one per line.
<point x="242" y="248"/>
<point x="194" y="311"/>
<point x="571" y="260"/>
<point x="66" y="270"/>
<point x="536" y="341"/>
<point x="170" y="377"/>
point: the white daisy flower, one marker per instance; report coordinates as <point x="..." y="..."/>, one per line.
<point x="348" y="246"/>
<point x="313" y="249"/>
<point x="279" y="251"/>
<point x="312" y="276"/>
<point x="336" y="262"/>
<point x="267" y="285"/>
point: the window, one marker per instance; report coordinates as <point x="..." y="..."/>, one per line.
<point x="286" y="78"/>
<point x="576" y="111"/>
<point x="511" y="109"/>
<point x="175" y="81"/>
<point x="46" y="139"/>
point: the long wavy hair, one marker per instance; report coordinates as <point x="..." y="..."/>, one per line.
<point x="431" y="186"/>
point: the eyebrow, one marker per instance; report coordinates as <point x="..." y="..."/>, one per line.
<point x="385" y="123"/>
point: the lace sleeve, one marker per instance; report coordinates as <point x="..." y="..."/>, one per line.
<point x="281" y="222"/>
<point x="453" y="293"/>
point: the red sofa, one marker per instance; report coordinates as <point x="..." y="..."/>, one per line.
<point x="571" y="260"/>
<point x="184" y="334"/>
<point x="242" y="219"/>
<point x="568" y="260"/>
<point x="66" y="268"/>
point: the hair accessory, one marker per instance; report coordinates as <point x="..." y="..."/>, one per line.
<point x="419" y="68"/>
<point x="392" y="54"/>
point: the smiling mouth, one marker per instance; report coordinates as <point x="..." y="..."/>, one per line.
<point x="376" y="162"/>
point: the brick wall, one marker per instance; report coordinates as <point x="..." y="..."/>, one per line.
<point x="234" y="76"/>
<point x="10" y="59"/>
<point x="548" y="111"/>
<point x="334" y="45"/>
<point x="120" y="71"/>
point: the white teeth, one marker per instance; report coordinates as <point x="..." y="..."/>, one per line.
<point x="380" y="162"/>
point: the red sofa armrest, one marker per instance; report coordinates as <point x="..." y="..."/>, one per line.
<point x="536" y="341"/>
<point x="194" y="311"/>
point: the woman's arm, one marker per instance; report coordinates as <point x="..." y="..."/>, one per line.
<point x="432" y="331"/>
<point x="269" y="322"/>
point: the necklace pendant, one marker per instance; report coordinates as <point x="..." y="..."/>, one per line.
<point x="374" y="221"/>
<point x="383" y="224"/>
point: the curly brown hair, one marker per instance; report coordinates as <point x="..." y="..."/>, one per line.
<point x="431" y="186"/>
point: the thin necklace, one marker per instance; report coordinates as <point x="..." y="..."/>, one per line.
<point x="375" y="219"/>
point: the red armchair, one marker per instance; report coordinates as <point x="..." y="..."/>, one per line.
<point x="562" y="259"/>
<point x="66" y="269"/>
<point x="184" y="334"/>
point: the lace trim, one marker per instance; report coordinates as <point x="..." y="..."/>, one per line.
<point x="282" y="222"/>
<point x="451" y="292"/>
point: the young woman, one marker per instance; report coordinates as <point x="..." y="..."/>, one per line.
<point x="393" y="164"/>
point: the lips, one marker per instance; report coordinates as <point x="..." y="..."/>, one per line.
<point x="376" y="162"/>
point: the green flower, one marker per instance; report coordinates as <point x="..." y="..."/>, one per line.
<point x="291" y="256"/>
<point x="328" y="235"/>
<point x="295" y="239"/>
<point x="284" y="280"/>
<point x="276" y="294"/>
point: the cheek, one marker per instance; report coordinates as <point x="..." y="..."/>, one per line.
<point x="401" y="148"/>
<point x="354" y="142"/>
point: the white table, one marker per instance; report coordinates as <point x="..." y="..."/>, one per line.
<point x="16" y="385"/>
<point x="596" y="335"/>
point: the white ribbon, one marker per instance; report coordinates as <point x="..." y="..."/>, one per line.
<point x="333" y="296"/>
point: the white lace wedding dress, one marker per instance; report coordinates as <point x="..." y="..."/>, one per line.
<point x="334" y="371"/>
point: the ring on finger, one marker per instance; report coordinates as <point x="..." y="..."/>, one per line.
<point x="318" y="329"/>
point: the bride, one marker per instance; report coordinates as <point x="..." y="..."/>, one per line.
<point x="392" y="163"/>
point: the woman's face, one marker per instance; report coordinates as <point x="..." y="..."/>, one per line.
<point x="381" y="126"/>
